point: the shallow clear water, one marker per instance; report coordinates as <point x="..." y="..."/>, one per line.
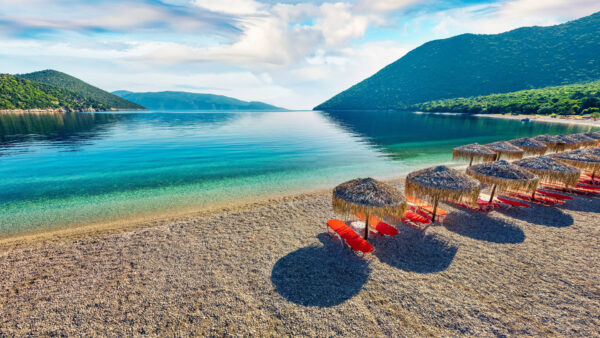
<point x="57" y="170"/>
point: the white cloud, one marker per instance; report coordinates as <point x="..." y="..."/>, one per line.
<point x="236" y="7"/>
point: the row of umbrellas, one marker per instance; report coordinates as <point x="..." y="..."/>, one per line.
<point x="379" y="199"/>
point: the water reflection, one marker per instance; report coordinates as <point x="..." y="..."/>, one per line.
<point x="404" y="135"/>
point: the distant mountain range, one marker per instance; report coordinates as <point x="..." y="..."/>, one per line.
<point x="470" y="65"/>
<point x="50" y="89"/>
<point x="173" y="100"/>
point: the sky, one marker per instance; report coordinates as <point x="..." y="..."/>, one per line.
<point x="293" y="54"/>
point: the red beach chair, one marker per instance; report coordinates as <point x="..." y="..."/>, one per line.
<point x="512" y="203"/>
<point x="554" y="195"/>
<point x="416" y="218"/>
<point x="349" y="236"/>
<point x="425" y="208"/>
<point x="379" y="225"/>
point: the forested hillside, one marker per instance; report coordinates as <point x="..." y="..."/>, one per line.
<point x="565" y="100"/>
<point x="471" y="65"/>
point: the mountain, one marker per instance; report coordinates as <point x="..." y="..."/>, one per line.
<point x="191" y="101"/>
<point x="19" y="93"/>
<point x="471" y="65"/>
<point x="105" y="100"/>
<point x="581" y="98"/>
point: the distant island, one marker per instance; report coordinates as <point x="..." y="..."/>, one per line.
<point x="174" y="100"/>
<point x="573" y="99"/>
<point x="472" y="65"/>
<point x="52" y="90"/>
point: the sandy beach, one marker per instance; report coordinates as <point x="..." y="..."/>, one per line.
<point x="593" y="123"/>
<point x="270" y="269"/>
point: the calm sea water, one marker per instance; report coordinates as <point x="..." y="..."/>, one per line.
<point x="58" y="170"/>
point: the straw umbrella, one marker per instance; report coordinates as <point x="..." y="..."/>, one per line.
<point x="550" y="170"/>
<point x="503" y="175"/>
<point x="530" y="146"/>
<point x="473" y="151"/>
<point x="594" y="135"/>
<point x="370" y="196"/>
<point x="552" y="142"/>
<point x="508" y="150"/>
<point x="444" y="183"/>
<point x="570" y="142"/>
<point x="595" y="151"/>
<point x="581" y="159"/>
<point x="584" y="141"/>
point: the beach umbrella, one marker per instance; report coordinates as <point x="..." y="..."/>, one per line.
<point x="553" y="143"/>
<point x="506" y="150"/>
<point x="369" y="196"/>
<point x="550" y="170"/>
<point x="581" y="159"/>
<point x="473" y="151"/>
<point x="594" y="135"/>
<point x="570" y="142"/>
<point x="530" y="146"/>
<point x="595" y="151"/>
<point x="442" y="183"/>
<point x="584" y="141"/>
<point x="503" y="175"/>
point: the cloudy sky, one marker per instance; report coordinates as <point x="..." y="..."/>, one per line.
<point x="290" y="53"/>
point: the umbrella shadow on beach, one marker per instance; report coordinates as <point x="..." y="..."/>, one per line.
<point x="583" y="203"/>
<point x="320" y="275"/>
<point x="413" y="250"/>
<point x="482" y="227"/>
<point x="540" y="215"/>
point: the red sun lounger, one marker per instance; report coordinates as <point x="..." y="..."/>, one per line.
<point x="414" y="217"/>
<point x="512" y="203"/>
<point x="379" y="225"/>
<point x="554" y="195"/>
<point x="349" y="236"/>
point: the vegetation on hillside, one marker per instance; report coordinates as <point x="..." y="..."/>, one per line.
<point x="104" y="99"/>
<point x="472" y="65"/>
<point x="17" y="93"/>
<point x="564" y="100"/>
<point x="171" y="100"/>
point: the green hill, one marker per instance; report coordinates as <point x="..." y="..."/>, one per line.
<point x="471" y="65"/>
<point x="18" y="93"/>
<point x="104" y="100"/>
<point x="191" y="101"/>
<point x="565" y="100"/>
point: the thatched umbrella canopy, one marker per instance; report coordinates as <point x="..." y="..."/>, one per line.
<point x="594" y="135"/>
<point x="506" y="150"/>
<point x="367" y="195"/>
<point x="530" y="146"/>
<point x="441" y="182"/>
<point x="474" y="151"/>
<point x="595" y="151"/>
<point x="584" y="141"/>
<point x="581" y="159"/>
<point x="503" y="175"/>
<point x="552" y="142"/>
<point x="570" y="142"/>
<point x="551" y="170"/>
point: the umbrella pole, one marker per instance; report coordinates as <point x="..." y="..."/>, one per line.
<point x="493" y="192"/>
<point x="471" y="162"/>
<point x="367" y="227"/>
<point x="593" y="174"/>
<point x="435" y="204"/>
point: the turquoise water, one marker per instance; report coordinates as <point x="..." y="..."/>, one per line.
<point x="59" y="170"/>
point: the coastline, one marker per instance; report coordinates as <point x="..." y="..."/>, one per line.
<point x="61" y="110"/>
<point x="542" y="119"/>
<point x="269" y="268"/>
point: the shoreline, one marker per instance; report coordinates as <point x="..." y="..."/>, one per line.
<point x="41" y="111"/>
<point x="270" y="268"/>
<point x="542" y="119"/>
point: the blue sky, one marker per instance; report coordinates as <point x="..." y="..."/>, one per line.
<point x="294" y="54"/>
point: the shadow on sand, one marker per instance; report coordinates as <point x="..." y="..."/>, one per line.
<point x="540" y="215"/>
<point x="320" y="275"/>
<point x="413" y="250"/>
<point x="482" y="227"/>
<point x="583" y="203"/>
